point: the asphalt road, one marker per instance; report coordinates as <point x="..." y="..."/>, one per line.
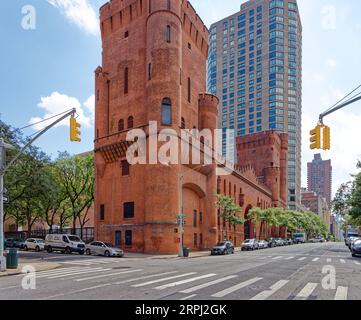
<point x="304" y="272"/>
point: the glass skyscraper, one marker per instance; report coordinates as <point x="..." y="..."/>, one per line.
<point x="255" y="68"/>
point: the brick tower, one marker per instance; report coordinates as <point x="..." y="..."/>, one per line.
<point x="153" y="69"/>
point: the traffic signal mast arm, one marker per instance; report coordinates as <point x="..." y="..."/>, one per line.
<point x="338" y="107"/>
<point x="72" y="112"/>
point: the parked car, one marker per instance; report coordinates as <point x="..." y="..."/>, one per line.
<point x="272" y="242"/>
<point x="64" y="242"/>
<point x="263" y="244"/>
<point x="289" y="242"/>
<point x="224" y="247"/>
<point x="356" y="247"/>
<point x="34" y="244"/>
<point x="14" y="243"/>
<point x="104" y="249"/>
<point x="250" y="244"/>
<point x="280" y="242"/>
<point x="299" y="237"/>
<point x="350" y="240"/>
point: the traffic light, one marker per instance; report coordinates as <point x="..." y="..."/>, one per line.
<point x="316" y="137"/>
<point x="74" y="130"/>
<point x="326" y="138"/>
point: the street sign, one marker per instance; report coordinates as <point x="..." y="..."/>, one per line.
<point x="6" y="198"/>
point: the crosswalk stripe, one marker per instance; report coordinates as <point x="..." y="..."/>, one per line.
<point x="108" y="275"/>
<point x="208" y="284"/>
<point x="329" y="260"/>
<point x="145" y="277"/>
<point x="267" y="293"/>
<point x="241" y="285"/>
<point x="77" y="263"/>
<point x="178" y="283"/>
<point x="306" y="291"/>
<point x="316" y="259"/>
<point x="289" y="258"/>
<point x="64" y="272"/>
<point x="356" y="262"/>
<point x="164" y="279"/>
<point x="78" y="272"/>
<point x="276" y="258"/>
<point x="341" y="293"/>
<point x="342" y="261"/>
<point x="303" y="258"/>
<point x="39" y="273"/>
<point x="189" y="297"/>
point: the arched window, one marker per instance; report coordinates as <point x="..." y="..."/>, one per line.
<point x="183" y="123"/>
<point x="121" y="125"/>
<point x="166" y="112"/>
<point x="130" y="122"/>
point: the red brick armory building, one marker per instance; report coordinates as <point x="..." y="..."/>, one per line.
<point x="154" y="69"/>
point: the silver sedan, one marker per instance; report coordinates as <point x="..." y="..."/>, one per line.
<point x="104" y="249"/>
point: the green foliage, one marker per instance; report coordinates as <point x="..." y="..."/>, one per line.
<point x="228" y="209"/>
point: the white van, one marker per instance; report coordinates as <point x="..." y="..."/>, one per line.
<point x="64" y="242"/>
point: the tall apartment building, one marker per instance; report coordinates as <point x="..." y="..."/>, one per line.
<point x="255" y="68"/>
<point x="319" y="177"/>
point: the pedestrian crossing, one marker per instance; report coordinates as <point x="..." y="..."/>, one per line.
<point x="193" y="285"/>
<point x="310" y="259"/>
<point x="90" y="262"/>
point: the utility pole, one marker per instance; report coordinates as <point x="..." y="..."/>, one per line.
<point x="3" y="168"/>
<point x="180" y="251"/>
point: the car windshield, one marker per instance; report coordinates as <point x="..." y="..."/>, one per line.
<point x="40" y="241"/>
<point x="220" y="244"/>
<point x="74" y="238"/>
<point x="108" y="244"/>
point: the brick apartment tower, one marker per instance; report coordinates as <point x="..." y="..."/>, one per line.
<point x="153" y="69"/>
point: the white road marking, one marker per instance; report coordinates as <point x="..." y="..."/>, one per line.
<point x="356" y="262"/>
<point x="208" y="284"/>
<point x="306" y="291"/>
<point x="241" y="285"/>
<point x="64" y="272"/>
<point x="303" y="258"/>
<point x="341" y="293"/>
<point x="267" y="293"/>
<point x="178" y="283"/>
<point x="189" y="297"/>
<point x="316" y="259"/>
<point x="276" y="258"/>
<point x="109" y="274"/>
<point x="145" y="277"/>
<point x="39" y="273"/>
<point x="160" y="280"/>
<point x="342" y="261"/>
<point x="329" y="260"/>
<point x="79" y="272"/>
<point x="289" y="258"/>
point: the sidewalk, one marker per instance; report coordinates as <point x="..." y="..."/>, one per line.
<point x="39" y="266"/>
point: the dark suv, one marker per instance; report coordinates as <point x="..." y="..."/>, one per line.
<point x="272" y="242"/>
<point x="224" y="247"/>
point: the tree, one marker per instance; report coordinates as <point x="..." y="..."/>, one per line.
<point x="341" y="201"/>
<point x="266" y="218"/>
<point x="355" y="198"/>
<point x="76" y="176"/>
<point x="228" y="209"/>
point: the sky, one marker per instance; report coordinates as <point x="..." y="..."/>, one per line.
<point x="50" y="49"/>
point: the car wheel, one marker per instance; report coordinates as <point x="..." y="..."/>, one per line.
<point x="37" y="248"/>
<point x="26" y="248"/>
<point x="106" y="253"/>
<point x="67" y="250"/>
<point x="232" y="251"/>
<point x="88" y="252"/>
<point x="50" y="249"/>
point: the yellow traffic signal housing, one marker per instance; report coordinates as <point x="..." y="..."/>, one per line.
<point x="326" y="138"/>
<point x="74" y="130"/>
<point x="316" y="137"/>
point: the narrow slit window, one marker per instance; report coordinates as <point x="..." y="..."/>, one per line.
<point x="168" y="33"/>
<point x="126" y="80"/>
<point x="166" y="112"/>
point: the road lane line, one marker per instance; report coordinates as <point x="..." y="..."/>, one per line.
<point x="306" y="291"/>
<point x="316" y="259"/>
<point x="341" y="293"/>
<point x="79" y="272"/>
<point x="145" y="277"/>
<point x="178" y="283"/>
<point x="342" y="261"/>
<point x="289" y="258"/>
<point x="301" y="259"/>
<point x="108" y="275"/>
<point x="189" y="297"/>
<point x="276" y="258"/>
<point x="164" y="279"/>
<point x="208" y="284"/>
<point x="241" y="285"/>
<point x="267" y="293"/>
<point x="356" y="262"/>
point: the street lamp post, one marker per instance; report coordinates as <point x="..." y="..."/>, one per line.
<point x="180" y="250"/>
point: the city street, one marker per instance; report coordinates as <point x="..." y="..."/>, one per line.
<point x="282" y="273"/>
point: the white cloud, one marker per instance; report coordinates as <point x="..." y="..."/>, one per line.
<point x="79" y="12"/>
<point x="57" y="103"/>
<point x="331" y="63"/>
